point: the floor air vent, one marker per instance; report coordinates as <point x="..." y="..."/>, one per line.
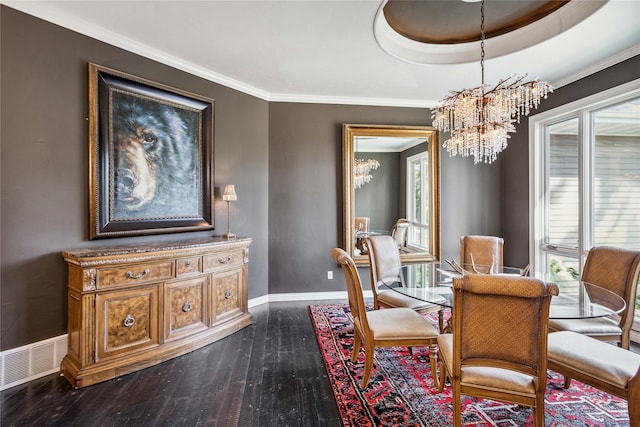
<point x="32" y="361"/>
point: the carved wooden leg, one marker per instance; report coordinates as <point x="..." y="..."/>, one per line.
<point x="438" y="369"/>
<point x="433" y="361"/>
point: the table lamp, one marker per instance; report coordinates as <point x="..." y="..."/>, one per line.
<point x="229" y="196"/>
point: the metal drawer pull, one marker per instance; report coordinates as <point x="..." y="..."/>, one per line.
<point x="130" y="275"/>
<point x="225" y="261"/>
<point x="186" y="307"/>
<point x="188" y="263"/>
<point x="129" y="321"/>
<point x="227" y="294"/>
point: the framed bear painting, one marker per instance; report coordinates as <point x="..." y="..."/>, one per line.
<point x="150" y="159"/>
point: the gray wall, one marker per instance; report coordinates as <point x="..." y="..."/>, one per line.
<point x="305" y="192"/>
<point x="515" y="165"/>
<point x="470" y="201"/>
<point x="379" y="199"/>
<point x="44" y="169"/>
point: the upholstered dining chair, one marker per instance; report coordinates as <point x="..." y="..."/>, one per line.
<point x="361" y="223"/>
<point x="617" y="270"/>
<point x="381" y="328"/>
<point x="599" y="364"/>
<point x="399" y="232"/>
<point x="498" y="348"/>
<point x="385" y="265"/>
<point x="481" y="251"/>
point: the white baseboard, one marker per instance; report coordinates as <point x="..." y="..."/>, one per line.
<point x="23" y="364"/>
<point x="307" y="296"/>
<point x="303" y="296"/>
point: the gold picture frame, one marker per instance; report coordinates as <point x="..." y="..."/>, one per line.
<point x="151" y="157"/>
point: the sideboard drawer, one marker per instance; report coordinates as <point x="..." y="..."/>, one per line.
<point x="134" y="274"/>
<point x="127" y="321"/>
<point x="223" y="260"/>
<point x="186" y="266"/>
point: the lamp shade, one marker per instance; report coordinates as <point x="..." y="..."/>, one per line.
<point x="230" y="193"/>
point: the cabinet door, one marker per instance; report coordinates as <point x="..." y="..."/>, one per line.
<point x="127" y="321"/>
<point x="226" y="295"/>
<point x="185" y="307"/>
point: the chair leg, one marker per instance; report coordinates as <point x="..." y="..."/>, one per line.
<point x="538" y="411"/>
<point x="457" y="415"/>
<point x="625" y="342"/>
<point x="435" y="364"/>
<point x="440" y="380"/>
<point x="368" y="363"/>
<point x="443" y="376"/>
<point x="356" y="346"/>
<point x="567" y="381"/>
<point x="634" y="414"/>
<point x="634" y="396"/>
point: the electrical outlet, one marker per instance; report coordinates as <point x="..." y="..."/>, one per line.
<point x="330" y="275"/>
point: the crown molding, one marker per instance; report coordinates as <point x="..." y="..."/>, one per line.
<point x="343" y="100"/>
<point x="50" y="14"/>
<point x="598" y="66"/>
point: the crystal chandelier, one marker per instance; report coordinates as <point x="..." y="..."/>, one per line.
<point x="480" y="119"/>
<point x="362" y="171"/>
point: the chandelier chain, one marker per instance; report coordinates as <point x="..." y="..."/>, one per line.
<point x="482" y="41"/>
<point x="480" y="119"/>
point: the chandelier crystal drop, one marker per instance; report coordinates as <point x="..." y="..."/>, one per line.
<point x="362" y="171"/>
<point x="480" y="119"/>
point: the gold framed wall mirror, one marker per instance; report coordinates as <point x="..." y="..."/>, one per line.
<point x="391" y="186"/>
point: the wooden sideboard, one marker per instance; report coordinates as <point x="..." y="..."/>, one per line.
<point x="134" y="306"/>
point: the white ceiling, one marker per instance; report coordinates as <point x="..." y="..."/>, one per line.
<point x="372" y="144"/>
<point x="325" y="51"/>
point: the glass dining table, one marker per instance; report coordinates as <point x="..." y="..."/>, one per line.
<point x="433" y="283"/>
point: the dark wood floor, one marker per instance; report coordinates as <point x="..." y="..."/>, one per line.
<point x="268" y="374"/>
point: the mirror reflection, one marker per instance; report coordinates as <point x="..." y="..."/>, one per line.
<point x="391" y="187"/>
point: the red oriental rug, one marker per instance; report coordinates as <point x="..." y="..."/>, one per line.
<point x="401" y="391"/>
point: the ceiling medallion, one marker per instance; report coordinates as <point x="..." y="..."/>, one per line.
<point x="434" y="32"/>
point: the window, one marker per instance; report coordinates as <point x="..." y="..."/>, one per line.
<point x="585" y="175"/>
<point x="418" y="201"/>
